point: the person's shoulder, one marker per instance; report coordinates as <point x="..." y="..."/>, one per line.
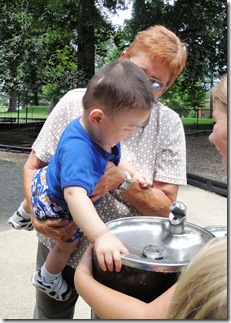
<point x="79" y="92"/>
<point x="71" y="103"/>
<point x="164" y="109"/>
<point x="167" y="113"/>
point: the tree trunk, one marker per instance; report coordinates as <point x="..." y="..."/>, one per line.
<point x="139" y="9"/>
<point x="53" y="103"/>
<point x="13" y="101"/>
<point x="35" y="98"/>
<point x="139" y="6"/>
<point x="86" y="39"/>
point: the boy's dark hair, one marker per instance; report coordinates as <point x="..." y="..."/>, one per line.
<point x="119" y="86"/>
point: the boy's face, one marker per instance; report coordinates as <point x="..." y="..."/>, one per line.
<point x="116" y="129"/>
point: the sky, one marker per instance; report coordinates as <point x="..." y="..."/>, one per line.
<point x="122" y="14"/>
<point x="126" y="14"/>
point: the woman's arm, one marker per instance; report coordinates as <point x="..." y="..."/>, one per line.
<point x="110" y="304"/>
<point x="111" y="179"/>
<point x="154" y="200"/>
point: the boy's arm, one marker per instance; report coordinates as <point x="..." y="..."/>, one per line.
<point x="83" y="212"/>
<point x="108" y="247"/>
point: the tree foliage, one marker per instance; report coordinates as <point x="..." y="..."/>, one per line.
<point x="56" y="45"/>
<point x="50" y="42"/>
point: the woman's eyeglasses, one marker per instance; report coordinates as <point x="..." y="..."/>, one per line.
<point x="156" y="84"/>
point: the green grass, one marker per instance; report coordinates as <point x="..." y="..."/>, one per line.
<point x="200" y="124"/>
<point x="195" y="121"/>
<point x="41" y="112"/>
<point x="33" y="112"/>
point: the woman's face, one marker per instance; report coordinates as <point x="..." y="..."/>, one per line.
<point x="153" y="69"/>
<point x="219" y="135"/>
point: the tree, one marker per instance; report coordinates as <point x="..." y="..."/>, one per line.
<point x="37" y="51"/>
<point x="12" y="23"/>
<point x="203" y="25"/>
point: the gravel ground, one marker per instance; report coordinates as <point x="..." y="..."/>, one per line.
<point x="202" y="158"/>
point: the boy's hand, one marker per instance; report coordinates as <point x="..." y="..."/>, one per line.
<point x="108" y="251"/>
<point x="142" y="179"/>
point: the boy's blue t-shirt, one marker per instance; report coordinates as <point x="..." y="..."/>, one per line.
<point x="78" y="161"/>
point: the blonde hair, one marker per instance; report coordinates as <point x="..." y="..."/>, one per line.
<point x="161" y="45"/>
<point x="219" y="93"/>
<point x="201" y="292"/>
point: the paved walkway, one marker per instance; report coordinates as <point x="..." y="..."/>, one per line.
<point x="18" y="252"/>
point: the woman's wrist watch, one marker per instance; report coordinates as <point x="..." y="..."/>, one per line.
<point x="124" y="186"/>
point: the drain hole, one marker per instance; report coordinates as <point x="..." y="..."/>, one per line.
<point x="152" y="251"/>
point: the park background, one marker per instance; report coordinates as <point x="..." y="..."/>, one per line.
<point x="50" y="47"/>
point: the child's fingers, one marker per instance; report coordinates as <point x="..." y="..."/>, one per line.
<point x="101" y="261"/>
<point x="109" y="261"/>
<point x="117" y="260"/>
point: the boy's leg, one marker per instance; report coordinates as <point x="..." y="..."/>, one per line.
<point x="49" y="278"/>
<point x="59" y="256"/>
<point x="47" y="307"/>
<point x="21" y="219"/>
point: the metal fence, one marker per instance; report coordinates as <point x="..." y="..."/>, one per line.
<point x="18" y="109"/>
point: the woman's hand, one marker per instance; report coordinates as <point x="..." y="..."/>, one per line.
<point x="111" y="179"/>
<point x="57" y="229"/>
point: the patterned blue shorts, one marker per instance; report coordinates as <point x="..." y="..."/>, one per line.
<point x="43" y="207"/>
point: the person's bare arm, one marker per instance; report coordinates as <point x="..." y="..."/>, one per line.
<point x="108" y="247"/>
<point x="31" y="165"/>
<point x="111" y="179"/>
<point x="140" y="178"/>
<point x="110" y="304"/>
<point x="154" y="200"/>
